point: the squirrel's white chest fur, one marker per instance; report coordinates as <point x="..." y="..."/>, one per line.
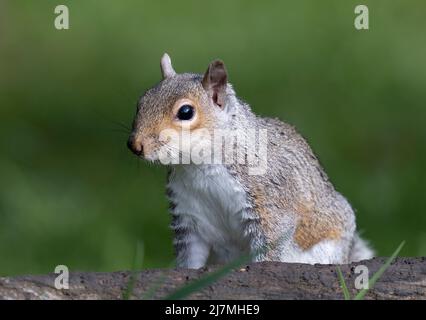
<point x="214" y="203"/>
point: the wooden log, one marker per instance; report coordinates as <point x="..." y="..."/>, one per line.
<point x="404" y="279"/>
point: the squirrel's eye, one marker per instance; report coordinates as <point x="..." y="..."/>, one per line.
<point x="186" y="112"/>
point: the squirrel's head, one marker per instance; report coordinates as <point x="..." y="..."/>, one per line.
<point x="179" y="103"/>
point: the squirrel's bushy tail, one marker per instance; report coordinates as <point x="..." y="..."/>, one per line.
<point x="360" y="250"/>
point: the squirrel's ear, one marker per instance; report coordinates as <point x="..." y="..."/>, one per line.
<point x="214" y="82"/>
<point x="166" y="67"/>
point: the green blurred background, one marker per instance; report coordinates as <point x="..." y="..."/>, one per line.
<point x="70" y="191"/>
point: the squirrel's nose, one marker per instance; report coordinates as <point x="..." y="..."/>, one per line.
<point x="135" y="145"/>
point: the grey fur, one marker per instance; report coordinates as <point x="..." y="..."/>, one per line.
<point x="282" y="209"/>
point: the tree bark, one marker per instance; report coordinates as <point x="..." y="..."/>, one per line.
<point x="404" y="279"/>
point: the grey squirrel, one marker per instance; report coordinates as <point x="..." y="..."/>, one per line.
<point x="290" y="213"/>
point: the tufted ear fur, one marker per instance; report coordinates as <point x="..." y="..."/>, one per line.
<point x="214" y="82"/>
<point x="166" y="67"/>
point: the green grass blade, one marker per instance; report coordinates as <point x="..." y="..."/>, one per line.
<point x="206" y="280"/>
<point x="346" y="292"/>
<point x="137" y="263"/>
<point x="379" y="273"/>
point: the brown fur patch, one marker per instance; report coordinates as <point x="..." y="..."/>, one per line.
<point x="267" y="218"/>
<point x="259" y="201"/>
<point x="313" y="227"/>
